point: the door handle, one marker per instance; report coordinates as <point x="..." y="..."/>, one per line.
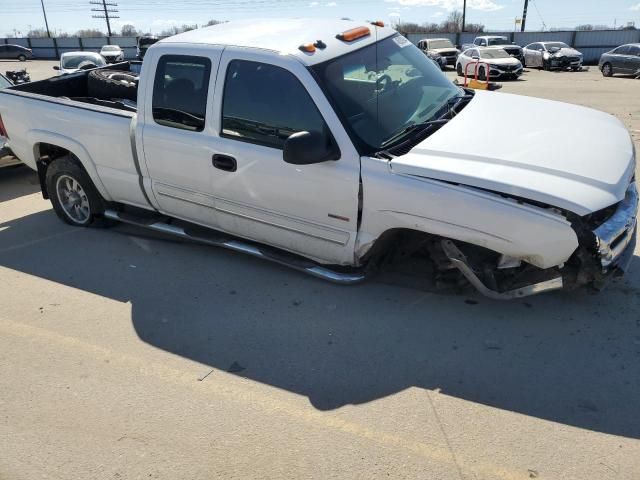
<point x="225" y="162"/>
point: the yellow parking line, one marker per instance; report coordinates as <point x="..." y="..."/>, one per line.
<point x="324" y="419"/>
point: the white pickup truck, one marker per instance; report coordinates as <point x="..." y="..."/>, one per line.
<point x="337" y="148"/>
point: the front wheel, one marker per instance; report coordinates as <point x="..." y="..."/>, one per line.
<point x="459" y="70"/>
<point x="75" y="199"/>
<point x="607" y="70"/>
<point x="22" y="58"/>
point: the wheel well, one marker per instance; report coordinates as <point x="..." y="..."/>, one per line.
<point x="46" y="153"/>
<point x="395" y="243"/>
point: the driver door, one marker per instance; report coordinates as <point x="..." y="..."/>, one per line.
<point x="312" y="210"/>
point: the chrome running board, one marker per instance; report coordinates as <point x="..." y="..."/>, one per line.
<point x="218" y="239"/>
<point x="458" y="260"/>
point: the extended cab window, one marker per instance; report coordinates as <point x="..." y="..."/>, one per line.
<point x="180" y="91"/>
<point x="265" y="104"/>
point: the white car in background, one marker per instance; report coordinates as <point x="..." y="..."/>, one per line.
<point x="552" y="55"/>
<point x="501" y="64"/>
<point x="72" y="62"/>
<point x="112" y="53"/>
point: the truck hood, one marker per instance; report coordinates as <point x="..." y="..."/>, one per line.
<point x="563" y="155"/>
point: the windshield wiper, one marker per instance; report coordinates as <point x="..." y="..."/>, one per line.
<point x="412" y="128"/>
<point x="453" y="103"/>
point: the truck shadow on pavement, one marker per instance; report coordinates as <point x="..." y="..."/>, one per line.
<point x="571" y="358"/>
<point x="17" y="181"/>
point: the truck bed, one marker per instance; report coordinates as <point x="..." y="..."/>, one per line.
<point x="74" y="87"/>
<point x="99" y="132"/>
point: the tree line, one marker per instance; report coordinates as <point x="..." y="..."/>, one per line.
<point x="451" y="24"/>
<point x="127" y="30"/>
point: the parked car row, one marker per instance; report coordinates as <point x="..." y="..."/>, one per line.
<point x="496" y="50"/>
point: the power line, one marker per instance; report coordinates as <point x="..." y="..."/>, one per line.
<point x="106" y="12"/>
<point x="544" y="26"/>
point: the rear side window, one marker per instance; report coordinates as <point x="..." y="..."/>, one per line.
<point x="633" y="50"/>
<point x="180" y="91"/>
<point x="265" y="104"/>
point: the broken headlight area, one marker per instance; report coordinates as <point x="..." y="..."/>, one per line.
<point x="607" y="240"/>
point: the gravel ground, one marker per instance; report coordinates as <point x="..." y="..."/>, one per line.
<point x="125" y="355"/>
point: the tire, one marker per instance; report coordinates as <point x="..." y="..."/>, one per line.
<point x="84" y="206"/>
<point x="22" y="58"/>
<point x="546" y="65"/>
<point x="481" y="74"/>
<point x="108" y="84"/>
<point x="459" y="70"/>
<point x="607" y="70"/>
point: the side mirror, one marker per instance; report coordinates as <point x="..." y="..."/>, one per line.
<point x="475" y="57"/>
<point x="56" y="67"/>
<point x="307" y="148"/>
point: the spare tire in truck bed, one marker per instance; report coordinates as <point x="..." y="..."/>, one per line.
<point x="107" y="84"/>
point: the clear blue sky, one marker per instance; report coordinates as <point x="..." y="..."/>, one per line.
<point x="156" y="15"/>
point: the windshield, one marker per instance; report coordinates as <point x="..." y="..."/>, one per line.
<point x="440" y="44"/>
<point x="112" y="48"/>
<point x="76" y="60"/>
<point x="384" y="88"/>
<point x="551" y="45"/>
<point x="498" y="41"/>
<point x="495" y="53"/>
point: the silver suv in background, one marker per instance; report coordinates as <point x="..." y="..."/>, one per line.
<point x="497" y="41"/>
<point x="624" y="59"/>
<point x="440" y="47"/>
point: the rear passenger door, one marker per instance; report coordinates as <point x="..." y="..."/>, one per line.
<point x="4" y="50"/>
<point x="177" y="135"/>
<point x="619" y="59"/>
<point x="260" y="100"/>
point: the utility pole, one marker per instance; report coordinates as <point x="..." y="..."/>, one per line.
<point x="106" y="12"/>
<point x="464" y="14"/>
<point x="524" y="15"/>
<point x="45" y="19"/>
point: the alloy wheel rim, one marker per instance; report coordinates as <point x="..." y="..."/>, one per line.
<point x="73" y="199"/>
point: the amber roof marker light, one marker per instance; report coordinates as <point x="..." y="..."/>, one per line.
<point x="378" y="23"/>
<point x="307" y="47"/>
<point x="353" y="34"/>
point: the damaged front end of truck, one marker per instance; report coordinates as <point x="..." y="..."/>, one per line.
<point x="607" y="240"/>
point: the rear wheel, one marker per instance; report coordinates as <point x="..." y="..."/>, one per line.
<point x="75" y="199"/>
<point x="22" y="57"/>
<point x="607" y="70"/>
